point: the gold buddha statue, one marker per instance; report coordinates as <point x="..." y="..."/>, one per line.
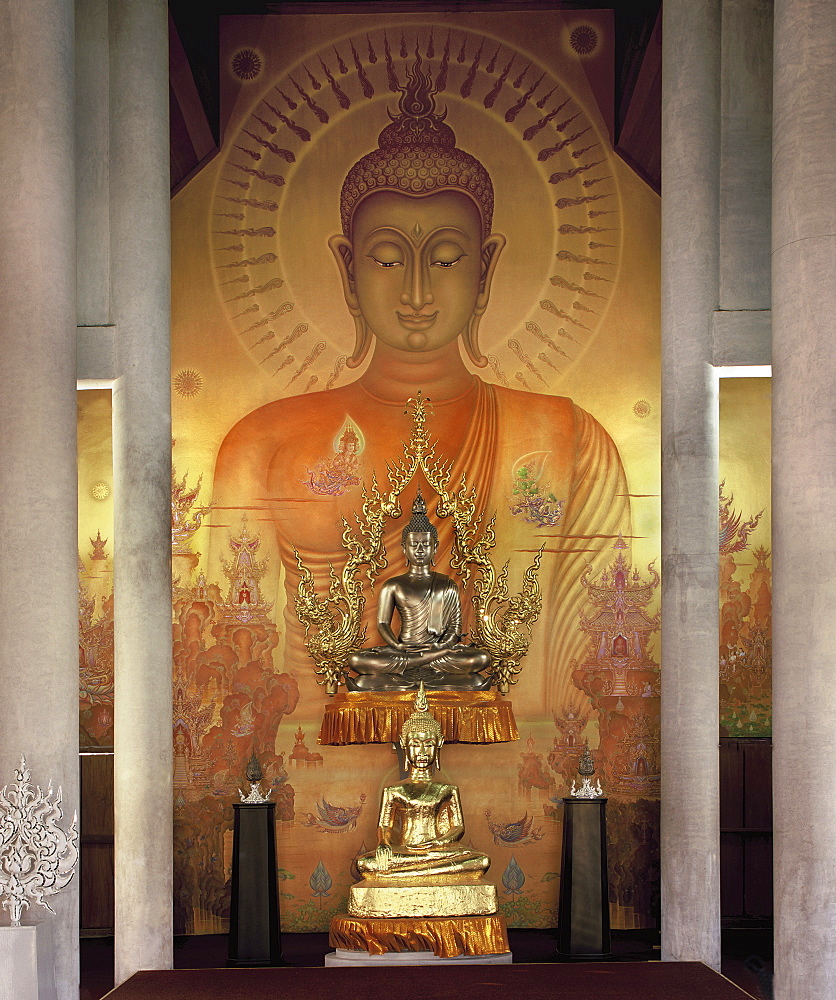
<point x="428" y="649"/>
<point x="419" y="867"/>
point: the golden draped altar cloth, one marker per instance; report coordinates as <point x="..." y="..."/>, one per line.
<point x="446" y="937"/>
<point x="377" y="717"/>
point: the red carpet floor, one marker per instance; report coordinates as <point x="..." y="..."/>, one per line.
<point x="589" y="981"/>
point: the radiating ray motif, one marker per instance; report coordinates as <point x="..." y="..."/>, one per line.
<point x="579" y="258"/>
<point x="519" y="81"/>
<point x="494" y="364"/>
<point x="595" y="213"/>
<point x="238" y="216"/>
<point x="586" y="199"/>
<point x="550" y="151"/>
<point x="582" y="308"/>
<point x="276" y="179"/>
<point x="314" y="82"/>
<point x="339" y="93"/>
<point x="511" y="113"/>
<point x="271" y="128"/>
<point x="267" y="231"/>
<point x="371" y="52"/>
<point x="568" y="230"/>
<point x="249" y="152"/>
<point x="338" y="370"/>
<point x="492" y="61"/>
<point x="267" y="336"/>
<point x="311" y="382"/>
<point x="285" y="307"/>
<point x="289" y="360"/>
<point x="546" y="97"/>
<point x="265" y="206"/>
<point x="549" y="306"/>
<point x="521" y="379"/>
<point x="516" y="347"/>
<point x="268" y="286"/>
<point x="306" y="364"/>
<point x="265" y="258"/>
<point x="460" y="58"/>
<point x="298" y="130"/>
<point x="365" y="83"/>
<point x="403" y="46"/>
<point x="548" y="361"/>
<point x="292" y="105"/>
<point x="235" y="281"/>
<point x="561" y="126"/>
<point x="467" y="86"/>
<point x="285" y="154"/>
<point x="235" y="248"/>
<point x="570" y="286"/>
<point x="596" y="277"/>
<point x="430" y="46"/>
<point x="250" y="309"/>
<point x="441" y="81"/>
<point x="340" y="62"/>
<point x="546" y="339"/>
<point x="294" y="335"/>
<point x="490" y="98"/>
<point x="578" y="153"/>
<point x="391" y="75"/>
<point x="595" y="180"/>
<point x="533" y="130"/>
<point x="241" y="184"/>
<point x="601" y="246"/>
<point x="566" y="175"/>
<point x="320" y="113"/>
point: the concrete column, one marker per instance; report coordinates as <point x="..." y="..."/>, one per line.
<point x="690" y="838"/>
<point x="38" y="486"/>
<point x="804" y="497"/>
<point x="141" y="288"/>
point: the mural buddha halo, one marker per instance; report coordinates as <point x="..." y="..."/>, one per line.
<point x="504" y="120"/>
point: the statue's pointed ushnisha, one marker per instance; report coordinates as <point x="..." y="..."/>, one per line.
<point x="428" y="650"/>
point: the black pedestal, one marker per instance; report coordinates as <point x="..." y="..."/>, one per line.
<point x="583" y="922"/>
<point x="254" y="915"/>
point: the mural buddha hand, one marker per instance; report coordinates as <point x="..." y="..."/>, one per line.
<point x="421" y="823"/>
<point x="428" y="649"/>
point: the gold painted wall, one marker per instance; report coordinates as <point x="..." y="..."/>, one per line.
<point x="745" y="557"/>
<point x="559" y="430"/>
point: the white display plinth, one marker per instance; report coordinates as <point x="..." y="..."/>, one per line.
<point x="343" y="956"/>
<point x="26" y="964"/>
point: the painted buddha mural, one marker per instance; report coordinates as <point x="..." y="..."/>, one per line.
<point x="416" y="257"/>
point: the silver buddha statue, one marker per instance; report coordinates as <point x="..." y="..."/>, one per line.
<point x="428" y="648"/>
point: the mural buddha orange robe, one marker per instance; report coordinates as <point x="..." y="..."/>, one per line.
<point x="416" y="259"/>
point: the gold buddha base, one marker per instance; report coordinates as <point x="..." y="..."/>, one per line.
<point x="377" y="717"/>
<point x="371" y="898"/>
<point x="445" y="937"/>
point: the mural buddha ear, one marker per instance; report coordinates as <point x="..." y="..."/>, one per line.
<point x="491" y="249"/>
<point x="343" y="252"/>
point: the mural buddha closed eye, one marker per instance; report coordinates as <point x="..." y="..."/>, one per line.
<point x="417" y="258"/>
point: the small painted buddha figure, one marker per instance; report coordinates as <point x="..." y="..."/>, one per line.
<point x="428" y="648"/>
<point x="421" y="821"/>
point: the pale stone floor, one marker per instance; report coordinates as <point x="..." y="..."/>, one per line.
<point x="747" y="955"/>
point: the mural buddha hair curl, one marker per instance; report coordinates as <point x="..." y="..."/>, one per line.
<point x="417" y="155"/>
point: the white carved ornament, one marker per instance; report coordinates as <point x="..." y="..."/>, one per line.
<point x="37" y="858"/>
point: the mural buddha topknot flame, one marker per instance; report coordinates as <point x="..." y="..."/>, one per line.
<point x="417" y="258"/>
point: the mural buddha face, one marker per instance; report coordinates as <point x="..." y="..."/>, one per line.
<point x="416" y="272"/>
